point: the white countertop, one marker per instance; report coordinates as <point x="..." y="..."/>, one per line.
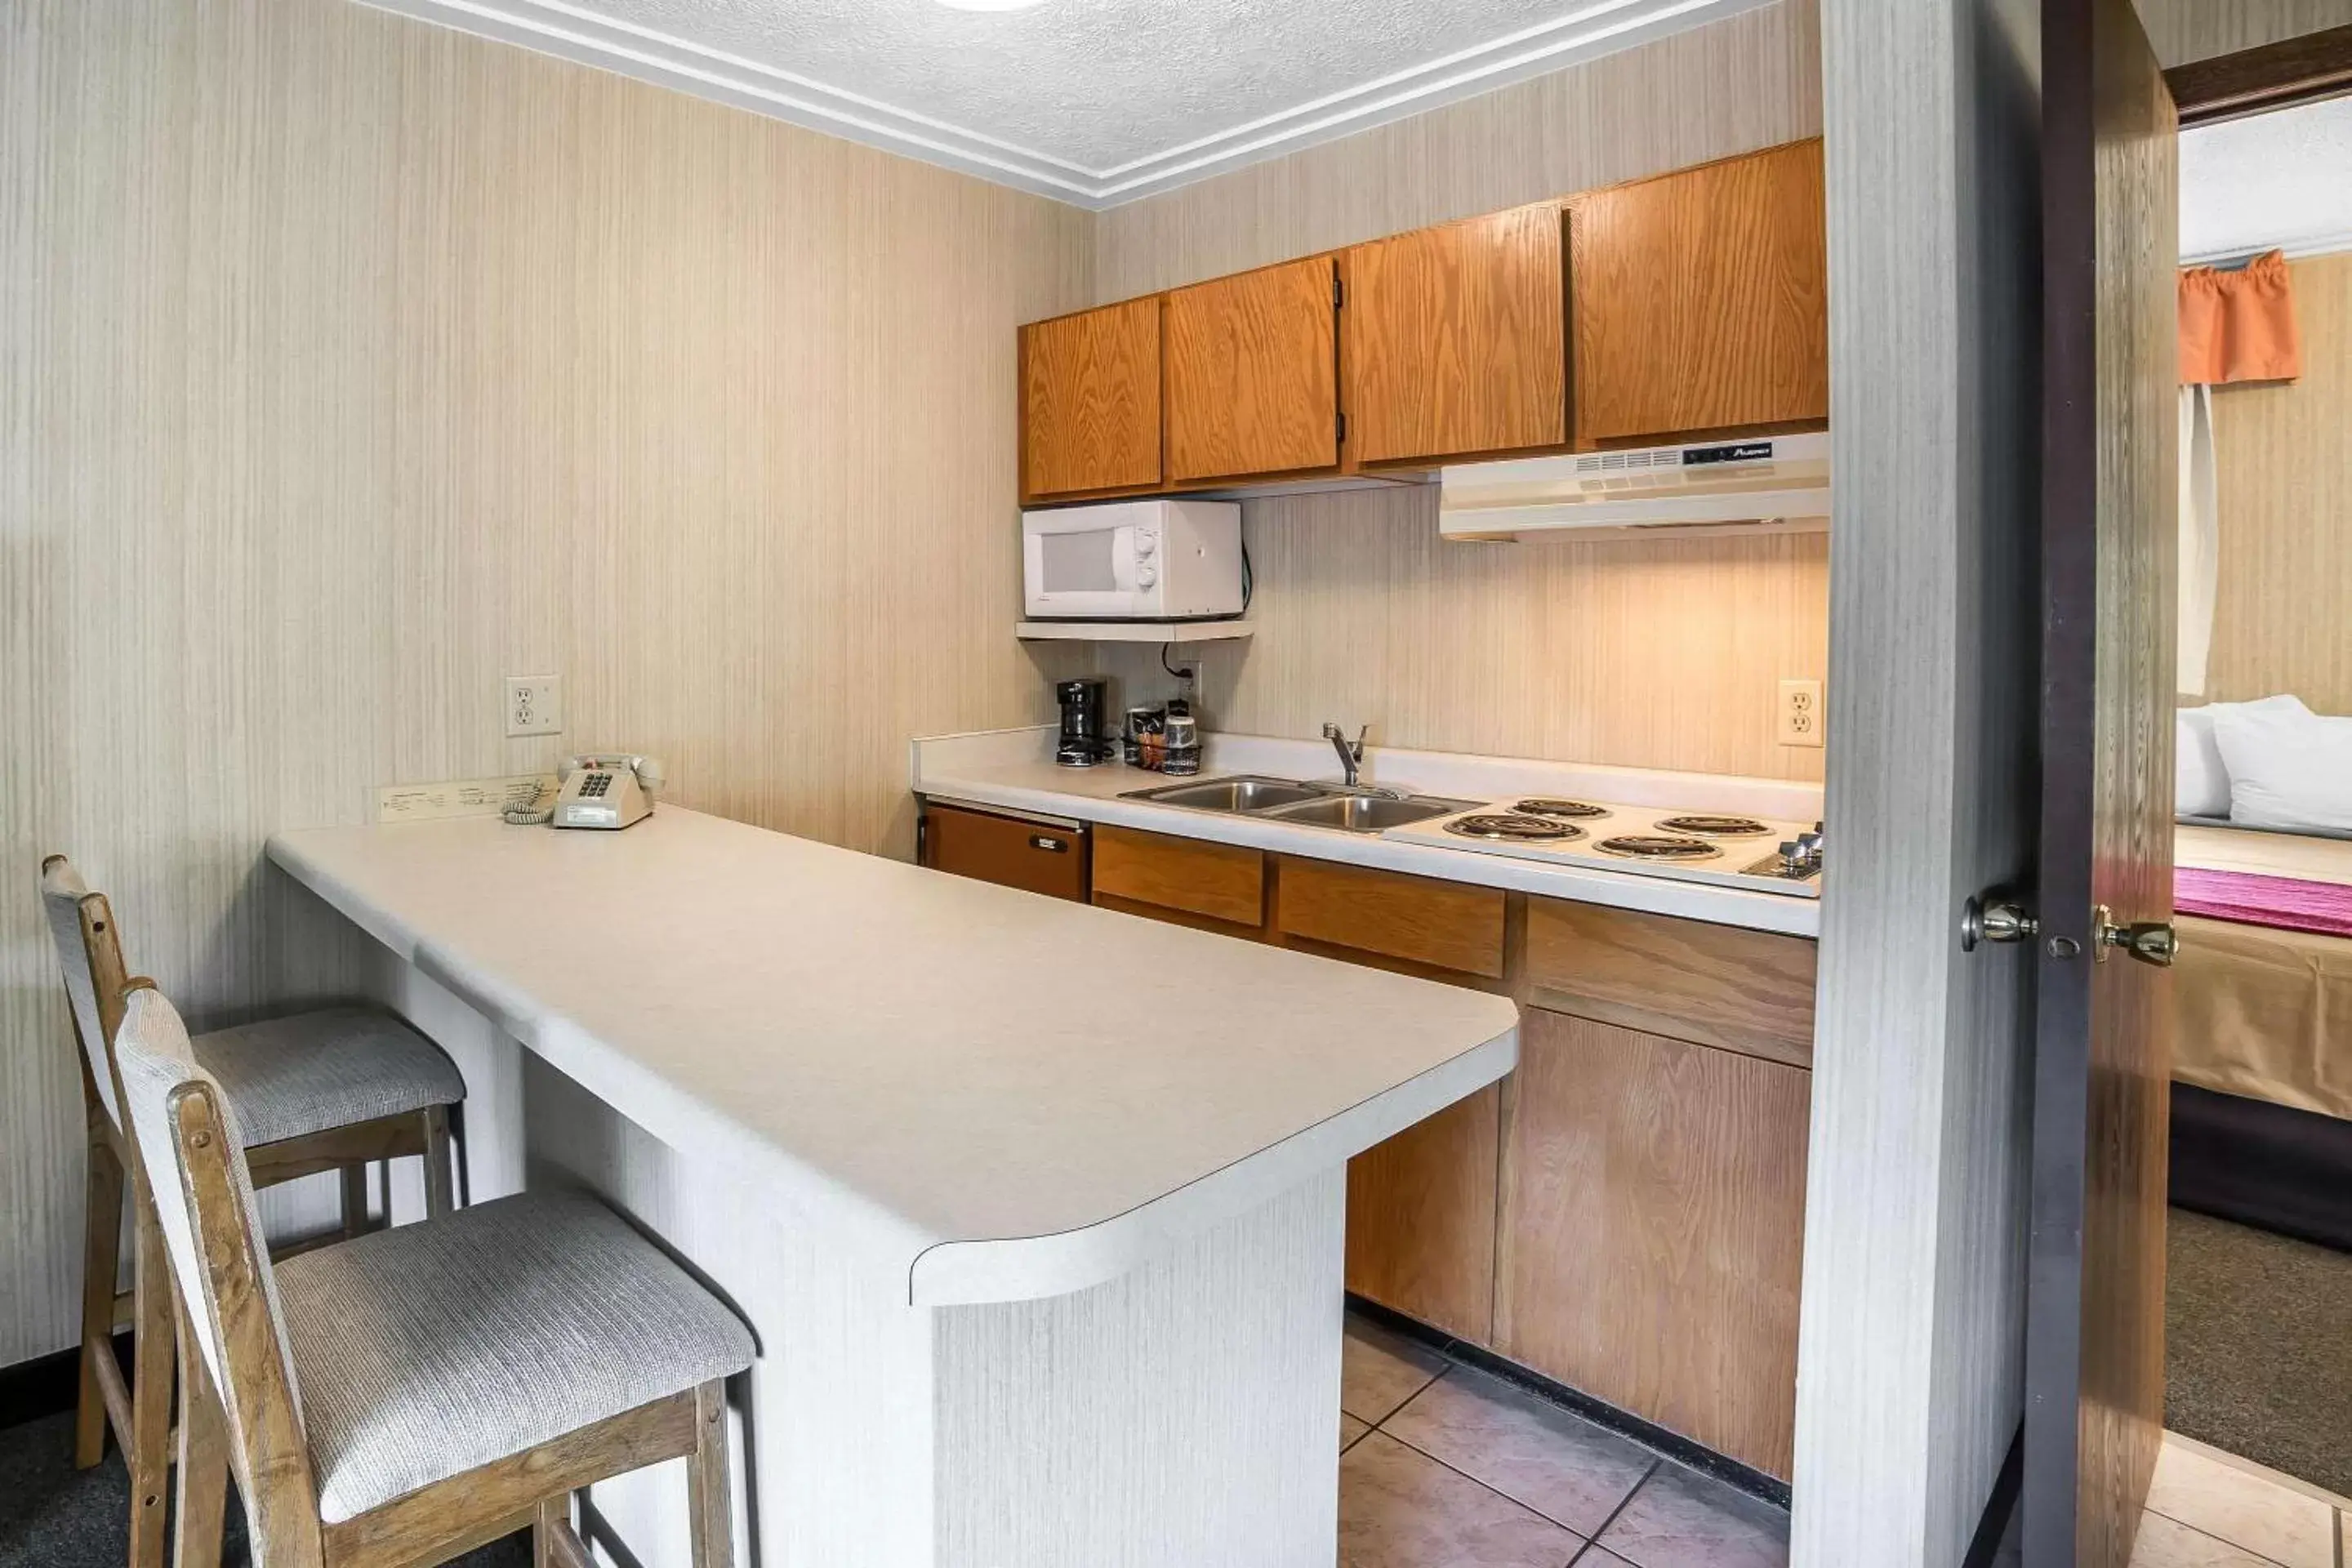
<point x="1014" y="1096"/>
<point x="1014" y="770"/>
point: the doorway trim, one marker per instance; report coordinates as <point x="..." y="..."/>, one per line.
<point x="2272" y="76"/>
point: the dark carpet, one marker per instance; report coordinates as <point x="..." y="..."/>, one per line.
<point x="54" y="1516"/>
<point x="2258" y="1347"/>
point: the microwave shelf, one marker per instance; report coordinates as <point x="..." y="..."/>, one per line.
<point x="1132" y="631"/>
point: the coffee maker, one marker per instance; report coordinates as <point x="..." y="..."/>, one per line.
<point x="1082" y="743"/>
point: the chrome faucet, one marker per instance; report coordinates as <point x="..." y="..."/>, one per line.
<point x="1352" y="752"/>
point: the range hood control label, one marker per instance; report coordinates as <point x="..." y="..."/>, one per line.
<point x="1745" y="452"/>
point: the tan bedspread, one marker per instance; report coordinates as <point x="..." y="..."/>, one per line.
<point x="2264" y="854"/>
<point x="2264" y="1013"/>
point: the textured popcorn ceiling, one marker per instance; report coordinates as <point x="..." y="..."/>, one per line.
<point x="1092" y="100"/>
<point x="2281" y="179"/>
<point x="1095" y="83"/>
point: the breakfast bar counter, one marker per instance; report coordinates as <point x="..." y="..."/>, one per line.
<point x="1035" y="1209"/>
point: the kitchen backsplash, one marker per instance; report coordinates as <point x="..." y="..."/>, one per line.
<point x="1665" y="655"/>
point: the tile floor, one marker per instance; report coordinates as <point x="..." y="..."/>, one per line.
<point x="2207" y="1509"/>
<point x="1442" y="1465"/>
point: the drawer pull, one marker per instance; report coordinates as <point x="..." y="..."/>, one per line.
<point x="1054" y="846"/>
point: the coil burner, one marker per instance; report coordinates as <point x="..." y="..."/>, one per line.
<point x="1658" y="846"/>
<point x="1702" y="827"/>
<point x="1516" y="827"/>
<point x="1572" y="810"/>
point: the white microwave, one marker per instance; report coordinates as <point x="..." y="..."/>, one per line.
<point x="1133" y="561"/>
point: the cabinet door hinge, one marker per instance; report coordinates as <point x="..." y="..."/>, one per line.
<point x="1338" y="292"/>
<point x="1341" y="436"/>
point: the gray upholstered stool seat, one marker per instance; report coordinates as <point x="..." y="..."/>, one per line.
<point x="428" y="1350"/>
<point x="311" y="1072"/>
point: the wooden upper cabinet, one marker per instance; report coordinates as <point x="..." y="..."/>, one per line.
<point x="1701" y="299"/>
<point x="1253" y="373"/>
<point x="1455" y="339"/>
<point x="1090" y="401"/>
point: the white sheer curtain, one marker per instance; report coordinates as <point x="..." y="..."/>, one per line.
<point x="2201" y="535"/>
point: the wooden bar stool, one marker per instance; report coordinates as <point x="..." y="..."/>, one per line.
<point x="326" y="1090"/>
<point x="408" y="1396"/>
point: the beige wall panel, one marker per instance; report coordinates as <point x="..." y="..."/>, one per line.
<point x="1750" y="80"/>
<point x="1644" y="654"/>
<point x="2184" y="30"/>
<point x="348" y="365"/>
<point x="1663" y="655"/>
<point x="2282" y="612"/>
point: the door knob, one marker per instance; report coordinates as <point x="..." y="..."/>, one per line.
<point x="2150" y="942"/>
<point x="2000" y="919"/>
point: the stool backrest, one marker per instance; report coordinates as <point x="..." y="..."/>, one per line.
<point x="187" y="1136"/>
<point x="90" y="954"/>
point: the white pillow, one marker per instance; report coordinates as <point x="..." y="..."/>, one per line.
<point x="2201" y="780"/>
<point x="2288" y="768"/>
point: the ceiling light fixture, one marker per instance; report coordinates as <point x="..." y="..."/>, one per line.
<point x="988" y="4"/>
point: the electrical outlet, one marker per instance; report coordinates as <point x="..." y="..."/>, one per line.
<point x="534" y="704"/>
<point x="1801" y="714"/>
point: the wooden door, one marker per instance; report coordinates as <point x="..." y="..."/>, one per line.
<point x="2095" y="1294"/>
<point x="1652" y="1229"/>
<point x="1090" y="401"/>
<point x="1254" y="374"/>
<point x="1455" y="339"/>
<point x="1701" y="299"/>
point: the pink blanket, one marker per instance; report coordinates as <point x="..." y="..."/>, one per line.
<point x="2250" y="899"/>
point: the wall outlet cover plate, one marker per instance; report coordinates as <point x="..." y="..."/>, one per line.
<point x="1799" y="722"/>
<point x="534" y="705"/>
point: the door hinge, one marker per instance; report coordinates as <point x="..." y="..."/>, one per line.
<point x="1341" y="435"/>
<point x="1338" y="292"/>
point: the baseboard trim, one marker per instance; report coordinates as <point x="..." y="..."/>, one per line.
<point x="49" y="1383"/>
<point x="1682" y="1451"/>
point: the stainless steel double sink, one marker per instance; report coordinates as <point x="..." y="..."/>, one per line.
<point x="1301" y="802"/>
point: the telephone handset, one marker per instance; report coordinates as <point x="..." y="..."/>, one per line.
<point x="607" y="789"/>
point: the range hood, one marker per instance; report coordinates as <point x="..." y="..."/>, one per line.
<point x="1772" y="484"/>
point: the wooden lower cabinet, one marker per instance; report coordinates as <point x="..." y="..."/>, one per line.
<point x="1626" y="1213"/>
<point x="1652" y="1229"/>
<point x="1421" y="1218"/>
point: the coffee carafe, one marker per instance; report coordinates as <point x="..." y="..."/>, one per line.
<point x="1082" y="743"/>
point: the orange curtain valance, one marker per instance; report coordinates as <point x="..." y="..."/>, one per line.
<point x="2238" y="326"/>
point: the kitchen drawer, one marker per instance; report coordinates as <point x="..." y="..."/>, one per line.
<point x="1041" y="857"/>
<point x="1220" y="881"/>
<point x="1441" y="924"/>
<point x="1716" y="985"/>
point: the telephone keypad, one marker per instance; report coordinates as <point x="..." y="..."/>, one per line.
<point x="595" y="785"/>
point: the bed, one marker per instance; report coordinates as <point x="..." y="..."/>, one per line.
<point x="2263" y="1051"/>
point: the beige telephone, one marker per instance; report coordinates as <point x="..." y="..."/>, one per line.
<point x="607" y="789"/>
